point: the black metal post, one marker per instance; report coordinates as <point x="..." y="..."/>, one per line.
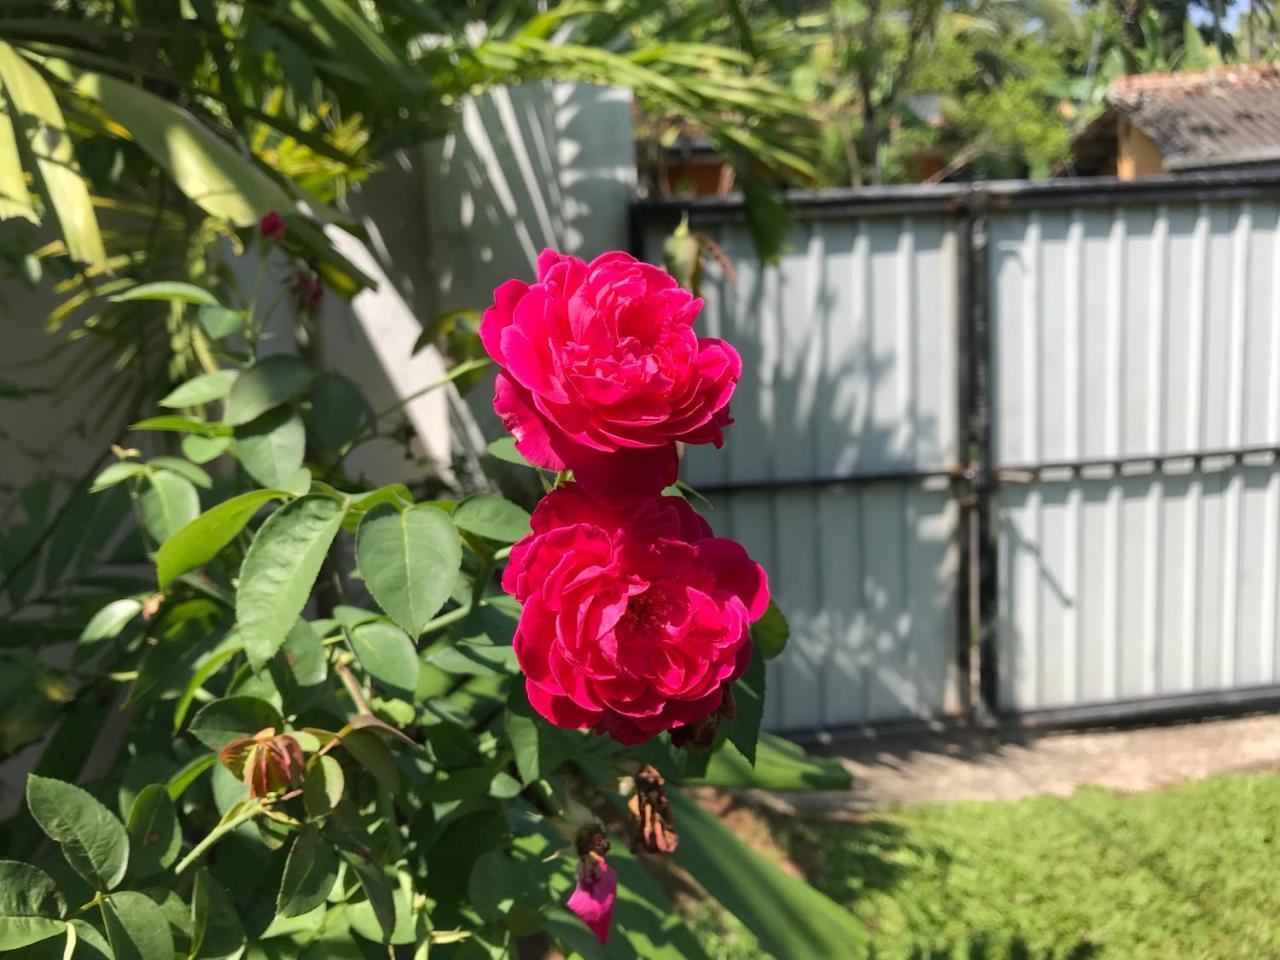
<point x="982" y="584"/>
<point x="967" y="607"/>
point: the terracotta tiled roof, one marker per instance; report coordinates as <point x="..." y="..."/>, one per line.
<point x="1208" y="118"/>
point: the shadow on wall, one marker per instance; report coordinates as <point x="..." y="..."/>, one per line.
<point x="536" y="166"/>
<point x="849" y="362"/>
<point x="530" y="167"/>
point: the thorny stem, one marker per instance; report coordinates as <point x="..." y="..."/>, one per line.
<point x="477" y="364"/>
<point x="353" y="688"/>
<point x="253" y="329"/>
<point x="482" y="582"/>
<point x="216" y="834"/>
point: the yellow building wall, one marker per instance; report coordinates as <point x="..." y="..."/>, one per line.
<point x="1137" y="154"/>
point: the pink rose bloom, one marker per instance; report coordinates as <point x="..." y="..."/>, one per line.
<point x="594" y="896"/>
<point x="635" y="617"/>
<point x="602" y="372"/>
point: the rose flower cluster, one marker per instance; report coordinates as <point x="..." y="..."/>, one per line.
<point x="635" y="616"/>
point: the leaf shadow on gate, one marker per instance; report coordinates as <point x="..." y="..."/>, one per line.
<point x="831" y="392"/>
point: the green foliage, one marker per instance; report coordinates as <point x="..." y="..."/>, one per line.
<point x="91" y="838"/>
<point x="154" y="835"/>
<point x="410" y="560"/>
<point x="303" y="770"/>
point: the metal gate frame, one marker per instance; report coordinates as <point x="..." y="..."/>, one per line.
<point x="974" y="479"/>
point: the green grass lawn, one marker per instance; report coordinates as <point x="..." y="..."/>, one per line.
<point x="1188" y="872"/>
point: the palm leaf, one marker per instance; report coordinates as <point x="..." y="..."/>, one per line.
<point x="41" y="121"/>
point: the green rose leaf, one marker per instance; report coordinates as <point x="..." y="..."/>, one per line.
<point x="199" y="541"/>
<point x="279" y="571"/>
<point x="154" y="835"/>
<point x="266" y="385"/>
<point x="523" y="733"/>
<point x="743" y="730"/>
<point x="30" y="906"/>
<point x="309" y="874"/>
<point x="272" y="446"/>
<point x="477" y="657"/>
<point x="17" y="932"/>
<point x="379" y="892"/>
<point x="93" y="841"/>
<point x="771" y="632"/>
<point x="219" y="321"/>
<point x="200" y="449"/>
<point x="322" y="790"/>
<point x="203" y="389"/>
<point x="387" y="655"/>
<point x="137" y="928"/>
<point x="304" y="654"/>
<point x="504" y="449"/>
<point x="171" y="290"/>
<point x="116" y="473"/>
<point x="340" y="413"/>
<point x="374" y="755"/>
<point x="27" y="891"/>
<point x="107" y="623"/>
<point x="492" y="517"/>
<point x="409" y="560"/>
<point x="183" y="468"/>
<point x="176" y="423"/>
<point x="168" y="503"/>
<point x="90" y="944"/>
<point x="217" y="933"/>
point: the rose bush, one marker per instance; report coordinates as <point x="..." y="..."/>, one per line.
<point x="335" y="739"/>
<point x="602" y="373"/>
<point x="635" y="620"/>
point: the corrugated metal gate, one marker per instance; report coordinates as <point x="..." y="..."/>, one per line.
<point x="1006" y="448"/>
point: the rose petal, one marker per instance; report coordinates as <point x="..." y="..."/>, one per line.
<point x="594" y="897"/>
<point x="511" y="403"/>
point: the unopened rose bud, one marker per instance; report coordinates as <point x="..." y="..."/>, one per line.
<point x="701" y="734"/>
<point x="267" y="763"/>
<point x="272" y="227"/>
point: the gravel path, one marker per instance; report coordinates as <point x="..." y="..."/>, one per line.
<point x="890" y="771"/>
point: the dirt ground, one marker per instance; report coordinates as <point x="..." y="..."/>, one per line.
<point x="916" y="769"/>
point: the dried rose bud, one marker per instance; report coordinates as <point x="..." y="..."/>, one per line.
<point x="307" y="290"/>
<point x="592" y="841"/>
<point x="267" y="763"/>
<point x="271" y="227"/>
<point x="652" y="823"/>
<point x="701" y="734"/>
